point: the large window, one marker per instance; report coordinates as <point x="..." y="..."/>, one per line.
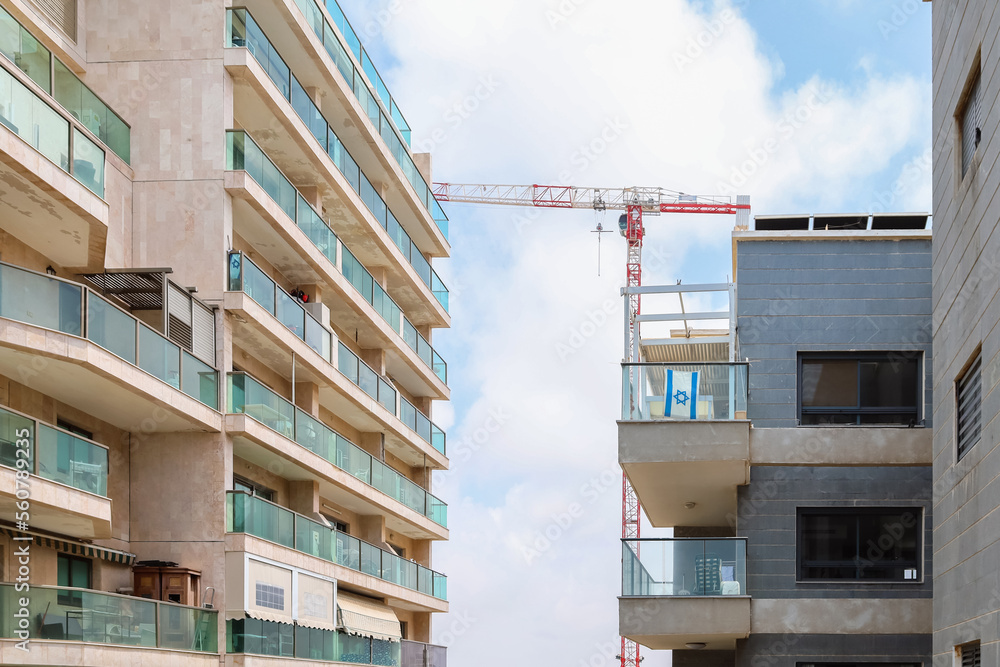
<point x="969" y="404"/>
<point x="859" y="388"/>
<point x="867" y="544"/>
<point x="72" y="572"/>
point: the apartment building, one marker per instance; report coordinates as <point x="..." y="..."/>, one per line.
<point x="217" y="361"/>
<point x="966" y="274"/>
<point x="786" y="440"/>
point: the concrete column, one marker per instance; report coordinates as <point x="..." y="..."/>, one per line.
<point x="421" y="552"/>
<point x="372" y="443"/>
<point x="312" y="195"/>
<point x="371" y="528"/>
<point x="303" y="497"/>
<point x="420" y="628"/>
<point x="307" y="397"/>
<point x="423" y="163"/>
<point x="375" y="359"/>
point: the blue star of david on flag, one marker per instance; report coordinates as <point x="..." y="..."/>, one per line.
<point x="681" y="397"/>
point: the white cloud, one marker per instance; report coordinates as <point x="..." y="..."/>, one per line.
<point x="604" y="93"/>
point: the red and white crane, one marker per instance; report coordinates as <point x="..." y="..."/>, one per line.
<point x="635" y="202"/>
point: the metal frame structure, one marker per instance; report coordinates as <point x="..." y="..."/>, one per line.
<point x="636" y="202"/>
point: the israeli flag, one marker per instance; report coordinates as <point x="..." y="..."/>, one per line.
<point x="681" y="399"/>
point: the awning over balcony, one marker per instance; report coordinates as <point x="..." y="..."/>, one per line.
<point x="74" y="548"/>
<point x="365" y="617"/>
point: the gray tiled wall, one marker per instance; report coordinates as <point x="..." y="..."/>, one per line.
<point x="827" y="295"/>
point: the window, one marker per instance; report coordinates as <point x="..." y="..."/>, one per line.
<point x="253" y="488"/>
<point x="867" y="388"/>
<point x="971" y="120"/>
<point x="75" y="430"/>
<point x="969" y="399"/>
<point x="272" y="597"/>
<point x="72" y="572"/>
<point x="970" y="655"/>
<point x="867" y="544"/>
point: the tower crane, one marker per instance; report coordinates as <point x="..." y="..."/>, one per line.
<point x="635" y="202"/>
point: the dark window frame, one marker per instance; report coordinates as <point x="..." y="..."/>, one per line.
<point x="970" y="654"/>
<point x="862" y="557"/>
<point x="859" y="411"/>
<point x="969" y="405"/>
<point x="969" y="119"/>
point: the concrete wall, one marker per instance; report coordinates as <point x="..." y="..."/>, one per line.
<point x="966" y="275"/>
<point x="767" y="517"/>
<point x="827" y="294"/>
<point x="788" y="650"/>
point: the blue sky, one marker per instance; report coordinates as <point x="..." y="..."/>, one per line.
<point x="808" y="107"/>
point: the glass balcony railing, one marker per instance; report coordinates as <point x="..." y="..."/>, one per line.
<point x="82" y="615"/>
<point x="684" y="566"/>
<point x="54" y="303"/>
<point x="655" y="391"/>
<point x="385" y="117"/>
<point x="244" y="276"/>
<point x="418" y="654"/>
<point x="249" y="397"/>
<point x="53" y="453"/>
<point x="424" y="427"/>
<point x="243" y="32"/>
<point x="290" y="640"/>
<point x="255" y="516"/>
<point x="44" y="129"/>
<point x="244" y="154"/>
<point x="27" y="53"/>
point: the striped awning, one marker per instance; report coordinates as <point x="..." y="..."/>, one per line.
<point x="73" y="548"/>
<point x="367" y="618"/>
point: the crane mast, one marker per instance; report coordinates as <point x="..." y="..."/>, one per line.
<point x="635" y="202"/>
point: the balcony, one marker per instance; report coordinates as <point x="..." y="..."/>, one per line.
<point x="326" y="64"/>
<point x="254" y="516"/>
<point x="80" y="615"/>
<point x="255" y="332"/>
<point x="418" y="654"/>
<point x="280" y="249"/>
<point x="251" y="636"/>
<point x="62" y="339"/>
<point x="249" y="397"/>
<point x="69" y="496"/>
<point x="685" y="457"/>
<point x="678" y="591"/>
<point x="266" y="89"/>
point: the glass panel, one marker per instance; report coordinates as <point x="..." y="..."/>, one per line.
<point x="15" y="428"/>
<point x="87" y="616"/>
<point x="438" y="438"/>
<point x="354" y="460"/>
<point x="697" y="391"/>
<point x="354" y="649"/>
<point x="368" y="380"/>
<point x="408" y="413"/>
<point x="258" y="286"/>
<point x="437" y="511"/>
<point x="187" y="629"/>
<point x="33" y="59"/>
<point x="889" y="383"/>
<point x="249" y="397"/>
<point x="371" y="559"/>
<point x="199" y="380"/>
<point x="159" y="357"/>
<point x="829" y="383"/>
<point x="317" y="230"/>
<point x="317" y="337"/>
<point x="88" y="163"/>
<point x="347" y="363"/>
<point x="73" y="461"/>
<point x="314" y="539"/>
<point x="37" y="299"/>
<point x="315" y="436"/>
<point x="267" y="521"/>
<point x="663" y="567"/>
<point x="348" y="551"/>
<point x="291" y="314"/>
<point x="386" y="396"/>
<point x="111" y="328"/>
<point x="95" y="115"/>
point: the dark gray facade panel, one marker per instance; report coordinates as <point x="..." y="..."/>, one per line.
<point x="767" y="513"/>
<point x="827" y="295"/>
<point x="773" y="650"/>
